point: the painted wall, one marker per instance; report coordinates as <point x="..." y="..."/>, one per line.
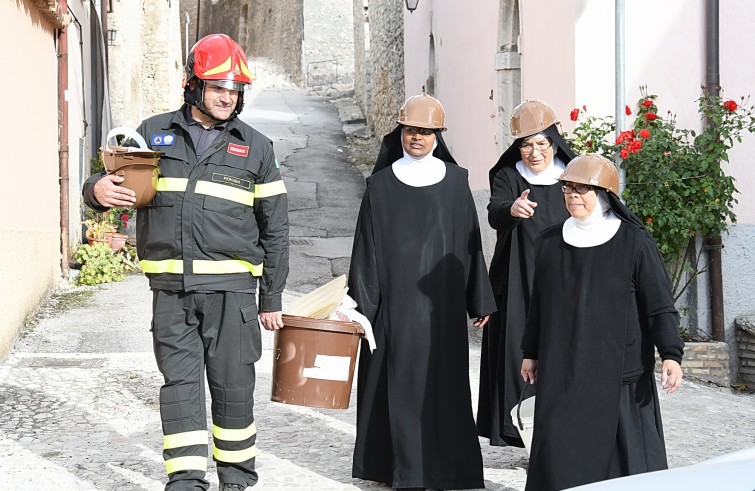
<point x="665" y="50"/>
<point x="547" y="49"/>
<point x="465" y="78"/>
<point x="29" y="190"/>
<point x="737" y="23"/>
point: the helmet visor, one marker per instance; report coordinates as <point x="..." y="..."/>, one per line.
<point x="228" y="84"/>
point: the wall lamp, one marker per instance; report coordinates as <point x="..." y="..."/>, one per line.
<point x="411" y="5"/>
<point x="111" y="35"/>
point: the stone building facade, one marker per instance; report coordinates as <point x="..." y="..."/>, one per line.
<point x="264" y="29"/>
<point x="145" y="60"/>
<point x="328" y="42"/>
<point x="379" y="61"/>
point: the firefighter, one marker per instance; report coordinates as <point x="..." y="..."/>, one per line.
<point x="215" y="231"/>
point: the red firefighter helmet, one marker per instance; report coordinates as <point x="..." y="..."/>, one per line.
<point x="219" y="60"/>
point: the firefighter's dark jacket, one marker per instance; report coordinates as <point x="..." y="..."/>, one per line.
<point x="215" y="224"/>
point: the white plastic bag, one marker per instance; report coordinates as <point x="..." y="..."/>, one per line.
<point x="347" y="312"/>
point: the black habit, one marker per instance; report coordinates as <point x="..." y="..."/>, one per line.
<point x="511" y="271"/>
<point x="595" y="315"/>
<point x="417" y="271"/>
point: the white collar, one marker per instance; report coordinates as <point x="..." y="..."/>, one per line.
<point x="419" y="171"/>
<point x="596" y="229"/>
<point x="547" y="176"/>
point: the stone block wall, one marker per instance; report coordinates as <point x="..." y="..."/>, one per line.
<point x="361" y="53"/>
<point x="145" y="62"/>
<point x="745" y="339"/>
<point x="708" y="361"/>
<point x="190" y="8"/>
<point x="328" y="35"/>
<point x="274" y="31"/>
<point x="379" y="62"/>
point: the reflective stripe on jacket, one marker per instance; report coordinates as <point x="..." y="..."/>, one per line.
<point x="218" y="222"/>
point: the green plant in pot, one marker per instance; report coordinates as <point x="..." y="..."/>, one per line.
<point x="99" y="230"/>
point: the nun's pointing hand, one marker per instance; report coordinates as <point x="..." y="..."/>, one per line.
<point x="522" y="207"/>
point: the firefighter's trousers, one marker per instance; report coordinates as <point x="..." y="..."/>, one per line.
<point x="218" y="332"/>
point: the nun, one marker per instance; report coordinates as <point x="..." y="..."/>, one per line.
<point x="525" y="198"/>
<point x="418" y="274"/>
<point x="601" y="305"/>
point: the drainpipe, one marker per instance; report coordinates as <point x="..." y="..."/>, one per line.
<point x="713" y="244"/>
<point x="199" y="16"/>
<point x="620" y="86"/>
<point x="63" y="140"/>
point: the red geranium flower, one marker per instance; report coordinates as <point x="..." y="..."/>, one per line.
<point x="650" y="220"/>
<point x="574" y="114"/>
<point x="651" y="116"/>
<point x="627" y="110"/>
<point x="730" y="106"/>
<point x="645" y="134"/>
<point x="647" y="102"/>
<point x="624" y="153"/>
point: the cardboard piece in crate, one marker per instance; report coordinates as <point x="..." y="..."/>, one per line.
<point x="321" y="302"/>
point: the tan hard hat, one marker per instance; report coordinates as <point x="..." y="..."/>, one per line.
<point x="423" y="111"/>
<point x="138" y="168"/>
<point x="592" y="169"/>
<point x="530" y="118"/>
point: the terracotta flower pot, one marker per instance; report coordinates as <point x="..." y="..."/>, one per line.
<point x="117" y="241"/>
<point x="92" y="240"/>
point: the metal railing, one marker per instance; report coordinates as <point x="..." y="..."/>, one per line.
<point x="321" y="75"/>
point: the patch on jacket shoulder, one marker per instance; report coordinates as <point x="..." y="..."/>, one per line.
<point x="159" y="140"/>
<point x="239" y="150"/>
<point x="233" y="181"/>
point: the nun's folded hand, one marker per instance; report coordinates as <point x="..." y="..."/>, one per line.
<point x="529" y="370"/>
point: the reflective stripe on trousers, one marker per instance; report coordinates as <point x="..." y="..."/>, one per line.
<point x="217" y="334"/>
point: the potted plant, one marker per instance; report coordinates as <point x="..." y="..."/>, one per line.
<point x="119" y="218"/>
<point x="99" y="231"/>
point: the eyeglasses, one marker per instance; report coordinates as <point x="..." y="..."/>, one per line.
<point x="421" y="131"/>
<point x="528" y="148"/>
<point x="579" y="188"/>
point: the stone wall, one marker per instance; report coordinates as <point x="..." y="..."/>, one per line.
<point x="708" y="362"/>
<point x="273" y="30"/>
<point x="379" y="63"/>
<point x="328" y="35"/>
<point x="145" y="62"/>
<point x="361" y="52"/>
<point x="190" y="8"/>
<point x="745" y="338"/>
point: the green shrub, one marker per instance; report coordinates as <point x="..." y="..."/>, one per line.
<point x="99" y="264"/>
